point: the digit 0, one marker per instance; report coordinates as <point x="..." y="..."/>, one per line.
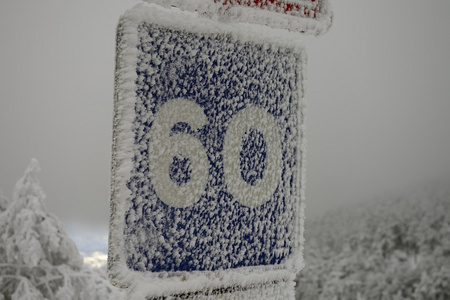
<point x="249" y="118"/>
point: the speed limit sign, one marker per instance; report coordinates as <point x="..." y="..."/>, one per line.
<point x="208" y="154"/>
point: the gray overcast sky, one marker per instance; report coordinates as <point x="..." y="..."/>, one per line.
<point x="378" y="99"/>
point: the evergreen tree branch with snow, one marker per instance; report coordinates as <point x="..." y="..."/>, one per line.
<point x="38" y="260"/>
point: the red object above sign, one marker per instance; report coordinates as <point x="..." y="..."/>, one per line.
<point x="306" y="16"/>
<point x="311" y="10"/>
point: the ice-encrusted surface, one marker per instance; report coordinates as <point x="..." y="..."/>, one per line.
<point x="208" y="154"/>
<point x="222" y="77"/>
<point x="306" y="16"/>
<point x="267" y="291"/>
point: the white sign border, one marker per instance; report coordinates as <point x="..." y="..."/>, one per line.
<point x="164" y="283"/>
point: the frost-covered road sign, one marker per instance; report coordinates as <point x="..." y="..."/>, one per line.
<point x="208" y="154"/>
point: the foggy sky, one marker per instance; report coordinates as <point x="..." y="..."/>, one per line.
<point x="378" y="94"/>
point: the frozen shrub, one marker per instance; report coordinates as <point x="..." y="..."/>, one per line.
<point x="38" y="260"/>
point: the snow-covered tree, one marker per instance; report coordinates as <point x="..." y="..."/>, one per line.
<point x="389" y="249"/>
<point x="33" y="237"/>
<point x="38" y="260"/>
<point x="3" y="202"/>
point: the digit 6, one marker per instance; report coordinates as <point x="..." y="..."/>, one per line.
<point x="163" y="147"/>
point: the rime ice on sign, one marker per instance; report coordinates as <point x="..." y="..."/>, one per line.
<point x="232" y="134"/>
<point x="306" y="16"/>
<point x="207" y="155"/>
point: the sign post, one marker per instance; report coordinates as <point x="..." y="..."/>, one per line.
<point x="208" y="158"/>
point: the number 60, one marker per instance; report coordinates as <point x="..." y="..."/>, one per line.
<point x="164" y="146"/>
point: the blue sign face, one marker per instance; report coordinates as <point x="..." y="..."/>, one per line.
<point x="216" y="141"/>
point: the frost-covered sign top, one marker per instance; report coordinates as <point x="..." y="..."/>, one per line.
<point x="208" y="156"/>
<point x="306" y="16"/>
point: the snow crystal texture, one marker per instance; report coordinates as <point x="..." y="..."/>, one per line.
<point x="306" y="16"/>
<point x="208" y="153"/>
<point x="221" y="77"/>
